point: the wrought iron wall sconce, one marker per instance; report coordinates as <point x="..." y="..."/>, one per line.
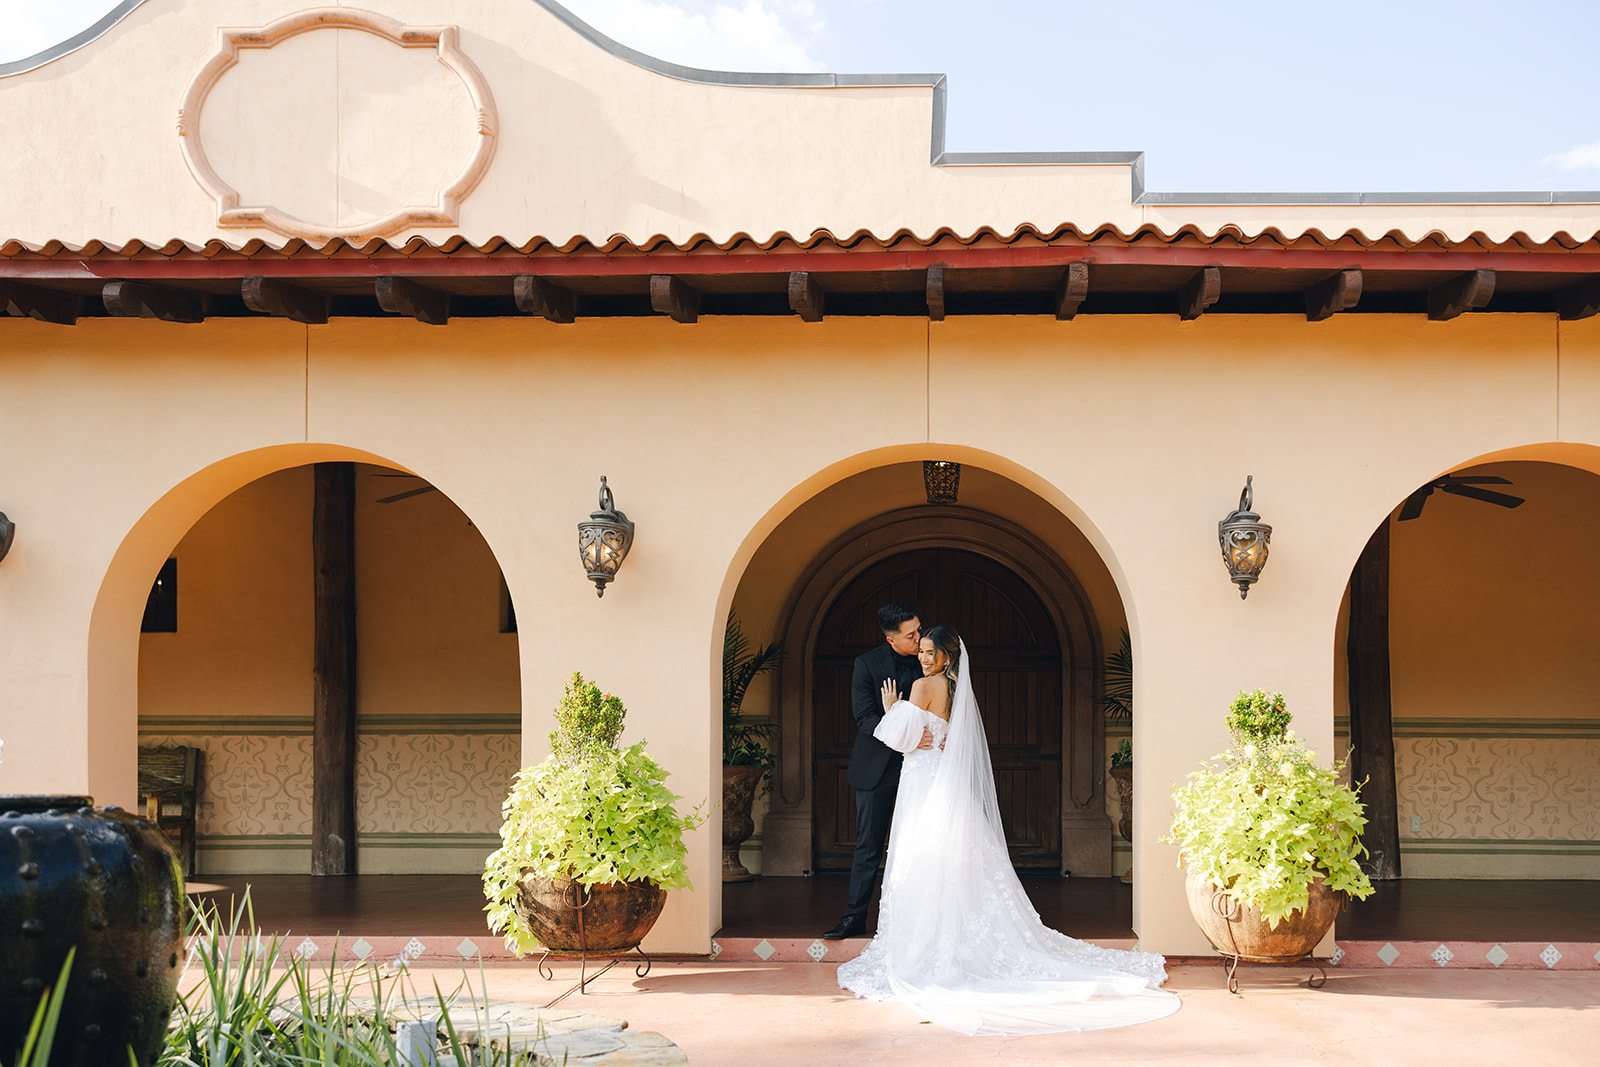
<point x="941" y="479"/>
<point x="1244" y="539"/>
<point x="8" y="532"/>
<point x="604" y="540"/>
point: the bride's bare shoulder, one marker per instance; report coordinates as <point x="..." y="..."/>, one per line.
<point x="932" y="695"/>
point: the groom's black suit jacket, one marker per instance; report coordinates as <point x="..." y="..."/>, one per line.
<point x="871" y="759"/>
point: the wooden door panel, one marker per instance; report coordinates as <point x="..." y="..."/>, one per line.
<point x="1017" y="683"/>
<point x="835" y="816"/>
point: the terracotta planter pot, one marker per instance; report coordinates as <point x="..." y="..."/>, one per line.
<point x="616" y="916"/>
<point x="1231" y="927"/>
<point x="738" y="796"/>
<point x="109" y="884"/>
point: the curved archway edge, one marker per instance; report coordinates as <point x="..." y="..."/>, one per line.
<point x="112" y="652"/>
<point x="1086" y="842"/>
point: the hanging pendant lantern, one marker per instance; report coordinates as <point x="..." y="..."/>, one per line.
<point x="604" y="540"/>
<point x="1244" y="539"/>
<point x="941" y="478"/>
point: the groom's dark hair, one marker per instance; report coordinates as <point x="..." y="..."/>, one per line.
<point x="893" y="614"/>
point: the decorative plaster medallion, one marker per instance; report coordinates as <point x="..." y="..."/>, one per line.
<point x="443" y="39"/>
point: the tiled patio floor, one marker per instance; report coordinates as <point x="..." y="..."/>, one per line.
<point x="1544" y="925"/>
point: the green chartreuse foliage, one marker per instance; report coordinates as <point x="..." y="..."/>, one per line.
<point x="1263" y="821"/>
<point x="591" y="812"/>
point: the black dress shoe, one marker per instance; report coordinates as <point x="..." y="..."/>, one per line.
<point x="847" y="928"/>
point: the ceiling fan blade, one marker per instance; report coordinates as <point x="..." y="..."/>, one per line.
<point x="1505" y="500"/>
<point x="1413" y="506"/>
<point x="408" y="492"/>
<point x="1476" y="479"/>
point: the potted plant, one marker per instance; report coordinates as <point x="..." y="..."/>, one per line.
<point x="746" y="759"/>
<point x="1117" y="702"/>
<point x="1270" y="840"/>
<point x="593" y="826"/>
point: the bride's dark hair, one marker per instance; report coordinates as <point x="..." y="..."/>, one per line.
<point x="946" y="640"/>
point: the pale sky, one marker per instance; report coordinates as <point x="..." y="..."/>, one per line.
<point x="1222" y="96"/>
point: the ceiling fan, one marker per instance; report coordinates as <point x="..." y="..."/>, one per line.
<point x="1461" y="485"/>
<point x="405" y="495"/>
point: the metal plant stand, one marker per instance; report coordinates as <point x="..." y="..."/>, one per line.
<point x="1228" y="909"/>
<point x="577" y="898"/>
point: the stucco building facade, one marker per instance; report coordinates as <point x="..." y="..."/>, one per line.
<point x="478" y="246"/>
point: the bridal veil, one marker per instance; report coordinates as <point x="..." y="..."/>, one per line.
<point x="958" y="939"/>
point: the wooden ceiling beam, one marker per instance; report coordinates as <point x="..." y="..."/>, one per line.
<point x="934" y="285"/>
<point x="45" y="305"/>
<point x="805" y="295"/>
<point x="1072" y="291"/>
<point x="402" y="296"/>
<point x="140" y="300"/>
<point x="1579" y="301"/>
<point x="1461" y="293"/>
<point x="536" y="296"/>
<point x="1337" y="292"/>
<point x="1199" y="293"/>
<point x="285" y="300"/>
<point x="671" y="295"/>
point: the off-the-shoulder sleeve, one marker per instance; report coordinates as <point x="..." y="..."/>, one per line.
<point x="901" y="729"/>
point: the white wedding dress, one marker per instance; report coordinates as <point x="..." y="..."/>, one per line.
<point x="958" y="941"/>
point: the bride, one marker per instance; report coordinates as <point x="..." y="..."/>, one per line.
<point x="958" y="940"/>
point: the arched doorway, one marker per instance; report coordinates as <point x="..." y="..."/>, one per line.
<point x="1017" y="681"/>
<point x="1050" y="763"/>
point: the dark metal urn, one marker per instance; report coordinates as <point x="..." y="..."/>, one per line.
<point x="108" y="884"/>
<point x="614" y="916"/>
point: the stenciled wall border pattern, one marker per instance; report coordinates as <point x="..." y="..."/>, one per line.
<point x="421" y="783"/>
<point x="1488" y="798"/>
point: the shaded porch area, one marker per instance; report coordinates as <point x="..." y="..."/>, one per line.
<point x="1417" y="922"/>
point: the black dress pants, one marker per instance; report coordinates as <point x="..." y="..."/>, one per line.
<point x="874" y="811"/>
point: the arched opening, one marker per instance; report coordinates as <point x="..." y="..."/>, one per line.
<point x="1039" y="608"/>
<point x="1465" y="660"/>
<point x="434" y="692"/>
<point x="1019" y="665"/>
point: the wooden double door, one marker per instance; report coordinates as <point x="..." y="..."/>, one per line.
<point x="1017" y="680"/>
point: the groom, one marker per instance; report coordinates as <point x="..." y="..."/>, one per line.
<point x="874" y="767"/>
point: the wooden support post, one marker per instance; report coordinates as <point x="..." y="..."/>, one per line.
<point x="1199" y="293"/>
<point x="1073" y="289"/>
<point x="402" y="296"/>
<point x="1579" y="301"/>
<point x="140" y="300"/>
<point x="673" y="296"/>
<point x="1371" y="712"/>
<point x="46" y="305"/>
<point x="1461" y="293"/>
<point x="535" y="296"/>
<point x="935" y="287"/>
<point x="805" y="295"/>
<point x="333" y="746"/>
<point x="273" y="297"/>
<point x="1337" y="292"/>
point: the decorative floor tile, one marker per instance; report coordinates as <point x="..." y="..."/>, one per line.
<point x="1551" y="955"/>
<point x="716" y="949"/>
<point x="765" y="950"/>
<point x="306" y="949"/>
<point x="467" y="949"/>
<point x="817" y="950"/>
<point x="415" y="948"/>
<point x="1388" y="954"/>
<point x="362" y="948"/>
<point x="1442" y="955"/>
<point x="1497" y="955"/>
<point x="1596" y="955"/>
<point x="1338" y="954"/>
